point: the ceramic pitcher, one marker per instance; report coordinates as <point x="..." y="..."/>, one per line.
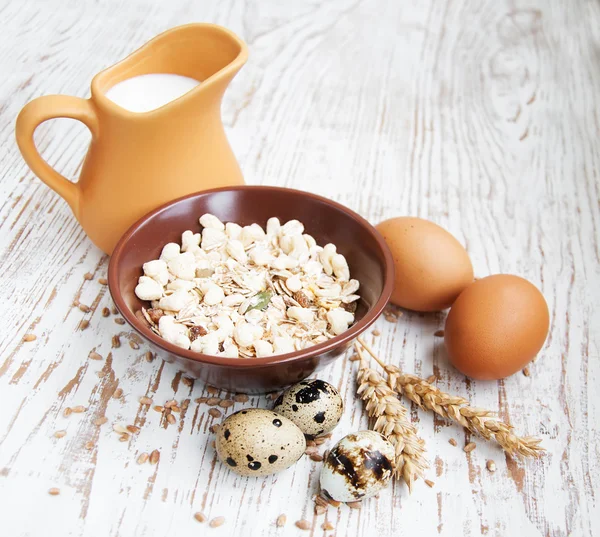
<point x="137" y="161"/>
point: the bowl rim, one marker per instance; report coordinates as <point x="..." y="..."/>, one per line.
<point x="247" y="363"/>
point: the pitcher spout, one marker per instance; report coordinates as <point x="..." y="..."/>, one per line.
<point x="205" y="52"/>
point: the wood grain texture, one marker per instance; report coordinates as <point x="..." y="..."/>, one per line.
<point x="482" y="116"/>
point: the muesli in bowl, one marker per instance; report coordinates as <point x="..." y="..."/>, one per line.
<point x="245" y="292"/>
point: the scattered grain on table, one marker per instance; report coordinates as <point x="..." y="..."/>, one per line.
<point x="215" y="413"/>
<point x="303" y="524"/>
<point x="217" y="521"/>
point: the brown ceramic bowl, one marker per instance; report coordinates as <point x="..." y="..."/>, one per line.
<point x="368" y="257"/>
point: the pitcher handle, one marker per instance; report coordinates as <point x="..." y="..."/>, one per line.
<point x="34" y="114"/>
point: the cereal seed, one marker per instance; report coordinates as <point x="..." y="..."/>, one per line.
<point x="214" y="428"/>
<point x="354" y="505"/>
<point x="145" y="400"/>
<point x="84" y="324"/>
<point x="376" y="332"/>
<point x="439" y="333"/>
<point x="200" y="517"/>
<point x="303" y="524"/>
<point x="117" y="393"/>
<point x="100" y="421"/>
<point x="118" y="428"/>
<point x="67" y="412"/>
<point x="327" y="526"/>
<point x="54" y="491"/>
<point x="95" y="356"/>
<point x="212" y="390"/>
<point x="158" y="408"/>
<point x="316" y="457"/>
<point x="60" y="434"/>
<point x="170" y="403"/>
<point x="133" y="429"/>
<point x="187" y="381"/>
<point x="124" y="437"/>
<point x="319" y="500"/>
<point x="241" y="398"/>
<point x="216" y="522"/>
<point x="452" y="442"/>
<point x="105" y="312"/>
<point x="213" y="401"/>
<point x="114" y="310"/>
<point x="175" y="409"/>
<point x="102" y="281"/>
<point x="320" y="510"/>
<point x="320" y="441"/>
<point x="84" y="308"/>
<point x="116" y="341"/>
<point x="29" y="337"/>
<point x="491" y="465"/>
<point x="134" y="345"/>
<point x="89" y="445"/>
<point x="142" y="458"/>
<point x="354" y="358"/>
<point x="171" y="419"/>
<point x="334" y="503"/>
<point x="78" y="409"/>
<point x="281" y="520"/>
<point x="120" y="321"/>
<point x="88" y="276"/>
<point x="154" y="456"/>
<point x="149" y="356"/>
<point x="429" y="483"/>
<point x="226" y="403"/>
<point x="469" y="447"/>
<point x="201" y="400"/>
<point x="526" y="371"/>
<point x="431" y="379"/>
<point x="215" y="413"/>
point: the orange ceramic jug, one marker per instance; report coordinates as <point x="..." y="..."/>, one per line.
<point x="137" y="161"/>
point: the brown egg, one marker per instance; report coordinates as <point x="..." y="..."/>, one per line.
<point x="496" y="326"/>
<point x="432" y="267"/>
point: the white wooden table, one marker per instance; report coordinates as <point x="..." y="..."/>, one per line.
<point x="482" y="116"/>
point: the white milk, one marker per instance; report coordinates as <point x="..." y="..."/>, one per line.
<point x="149" y="92"/>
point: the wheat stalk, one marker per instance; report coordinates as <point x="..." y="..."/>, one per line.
<point x="391" y="420"/>
<point x="457" y="409"/>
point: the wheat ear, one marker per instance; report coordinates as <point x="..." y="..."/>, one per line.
<point x="457" y="409"/>
<point x="391" y="420"/>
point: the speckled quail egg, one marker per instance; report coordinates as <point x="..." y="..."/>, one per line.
<point x="313" y="405"/>
<point x="256" y="441"/>
<point x="357" y="467"/>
